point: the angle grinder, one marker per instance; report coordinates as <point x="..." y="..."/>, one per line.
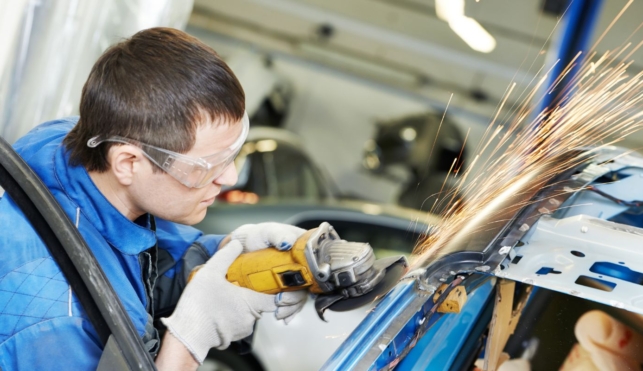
<point x="344" y="275"/>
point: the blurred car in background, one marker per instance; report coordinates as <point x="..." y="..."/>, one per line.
<point x="274" y="165"/>
<point x="426" y="147"/>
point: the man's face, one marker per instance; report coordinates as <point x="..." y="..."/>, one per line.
<point x="163" y="196"/>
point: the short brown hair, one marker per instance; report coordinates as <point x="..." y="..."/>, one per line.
<point x="155" y="87"/>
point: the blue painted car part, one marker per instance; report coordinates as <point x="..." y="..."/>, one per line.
<point x="363" y="338"/>
<point x="475" y="343"/>
<point x="394" y="326"/>
<point x="547" y="270"/>
<point x="406" y="339"/>
<point x="627" y="188"/>
<point x="591" y="236"/>
<point x="409" y="311"/>
<point x="387" y="334"/>
<point x="617" y="271"/>
<point x="442" y="345"/>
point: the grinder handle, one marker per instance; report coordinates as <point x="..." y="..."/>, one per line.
<point x="272" y="271"/>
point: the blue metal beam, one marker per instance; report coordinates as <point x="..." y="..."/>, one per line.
<point x="574" y="35"/>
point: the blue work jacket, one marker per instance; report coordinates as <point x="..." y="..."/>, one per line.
<point x="42" y="325"/>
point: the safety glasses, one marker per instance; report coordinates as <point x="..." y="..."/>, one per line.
<point x="189" y="171"/>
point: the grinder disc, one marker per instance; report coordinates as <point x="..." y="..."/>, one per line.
<point x="395" y="268"/>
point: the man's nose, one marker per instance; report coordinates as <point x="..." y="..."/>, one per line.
<point x="228" y="177"/>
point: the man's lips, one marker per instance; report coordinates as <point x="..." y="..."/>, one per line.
<point x="209" y="201"/>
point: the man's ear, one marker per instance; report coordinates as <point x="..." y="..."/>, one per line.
<point x="125" y="162"/>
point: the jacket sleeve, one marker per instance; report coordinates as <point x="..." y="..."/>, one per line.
<point x="47" y="346"/>
<point x="180" y="249"/>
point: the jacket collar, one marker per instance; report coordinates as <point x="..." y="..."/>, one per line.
<point x="123" y="234"/>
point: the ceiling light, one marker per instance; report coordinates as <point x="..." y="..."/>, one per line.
<point x="354" y="64"/>
<point x="469" y="30"/>
<point x="473" y="34"/>
<point x="449" y="9"/>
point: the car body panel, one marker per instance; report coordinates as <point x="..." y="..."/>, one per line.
<point x="555" y="235"/>
<point x="428" y="355"/>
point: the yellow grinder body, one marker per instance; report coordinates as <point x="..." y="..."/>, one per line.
<point x="272" y="271"/>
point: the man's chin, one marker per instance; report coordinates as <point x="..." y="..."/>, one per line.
<point x="196" y="218"/>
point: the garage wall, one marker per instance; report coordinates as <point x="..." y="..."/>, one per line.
<point x="47" y="49"/>
<point x="334" y="113"/>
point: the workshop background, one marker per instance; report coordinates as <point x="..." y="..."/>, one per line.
<point x="330" y="71"/>
<point x="356" y="106"/>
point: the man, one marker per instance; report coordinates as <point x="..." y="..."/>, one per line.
<point x="161" y="120"/>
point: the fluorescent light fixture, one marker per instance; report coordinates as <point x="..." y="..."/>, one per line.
<point x="447" y="10"/>
<point x="352" y="64"/>
<point x="473" y="34"/>
<point x="469" y="30"/>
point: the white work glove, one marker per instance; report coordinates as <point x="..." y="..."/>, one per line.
<point x="213" y="312"/>
<point x="259" y="236"/>
<point x="608" y="343"/>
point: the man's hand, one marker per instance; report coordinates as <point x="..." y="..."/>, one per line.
<point x="259" y="236"/>
<point x="212" y="312"/>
